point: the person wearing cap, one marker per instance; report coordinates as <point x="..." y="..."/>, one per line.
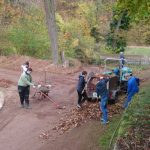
<point x="80" y="88"/>
<point x="24" y="83"/>
<point x="25" y="66"/>
<point x="132" y="88"/>
<point x="102" y="92"/>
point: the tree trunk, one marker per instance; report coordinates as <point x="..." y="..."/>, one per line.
<point x="49" y="6"/>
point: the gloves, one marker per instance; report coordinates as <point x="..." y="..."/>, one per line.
<point x="34" y="86"/>
<point x="39" y="86"/>
<point x="49" y="86"/>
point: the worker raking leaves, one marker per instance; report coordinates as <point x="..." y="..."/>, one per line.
<point x="24" y="84"/>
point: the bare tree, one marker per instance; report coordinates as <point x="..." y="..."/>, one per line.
<point x="49" y="6"/>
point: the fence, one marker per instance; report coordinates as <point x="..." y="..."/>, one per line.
<point x="131" y="59"/>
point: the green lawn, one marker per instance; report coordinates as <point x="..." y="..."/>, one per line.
<point x="138" y="51"/>
<point x="136" y="116"/>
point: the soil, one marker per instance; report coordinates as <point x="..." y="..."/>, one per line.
<point x="33" y="129"/>
<point x="26" y="129"/>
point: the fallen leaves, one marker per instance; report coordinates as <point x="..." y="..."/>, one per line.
<point x="138" y="138"/>
<point x="77" y="117"/>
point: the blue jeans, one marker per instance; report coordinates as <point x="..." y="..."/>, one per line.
<point x="129" y="98"/>
<point x="103" y="107"/>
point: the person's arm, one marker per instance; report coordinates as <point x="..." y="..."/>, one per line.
<point x="107" y="79"/>
<point x="137" y="80"/>
<point x="129" y="87"/>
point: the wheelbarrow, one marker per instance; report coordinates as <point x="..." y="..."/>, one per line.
<point x="43" y="92"/>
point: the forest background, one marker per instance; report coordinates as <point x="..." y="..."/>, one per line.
<point x="86" y="29"/>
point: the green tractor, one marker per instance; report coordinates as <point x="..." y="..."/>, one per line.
<point x="116" y="84"/>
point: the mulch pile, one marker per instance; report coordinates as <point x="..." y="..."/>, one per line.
<point x="5" y="83"/>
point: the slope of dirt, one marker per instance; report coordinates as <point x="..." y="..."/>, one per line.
<point x="24" y="129"/>
<point x="15" y="62"/>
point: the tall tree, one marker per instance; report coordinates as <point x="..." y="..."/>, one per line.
<point x="137" y="9"/>
<point x="49" y="6"/>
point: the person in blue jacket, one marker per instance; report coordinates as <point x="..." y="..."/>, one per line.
<point x="132" y="88"/>
<point x="102" y="92"/>
<point x="80" y="88"/>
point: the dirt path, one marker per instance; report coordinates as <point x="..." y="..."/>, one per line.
<point x="20" y="129"/>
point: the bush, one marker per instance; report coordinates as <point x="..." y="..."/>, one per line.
<point x="115" y="43"/>
<point x="29" y="36"/>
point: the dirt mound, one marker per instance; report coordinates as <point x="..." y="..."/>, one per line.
<point x="14" y="63"/>
<point x="5" y="83"/>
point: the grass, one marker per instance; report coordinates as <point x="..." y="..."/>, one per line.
<point x="107" y="135"/>
<point x="145" y="51"/>
<point x="130" y="118"/>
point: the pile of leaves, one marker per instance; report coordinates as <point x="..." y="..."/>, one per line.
<point x="5" y="83"/>
<point x="137" y="138"/>
<point x="77" y="117"/>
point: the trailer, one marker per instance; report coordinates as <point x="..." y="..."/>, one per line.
<point x="112" y="86"/>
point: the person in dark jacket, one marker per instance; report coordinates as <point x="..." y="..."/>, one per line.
<point x="102" y="92"/>
<point x="122" y="61"/>
<point x="132" y="88"/>
<point x="80" y="88"/>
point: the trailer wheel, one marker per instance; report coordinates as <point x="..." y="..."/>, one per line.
<point x="114" y="100"/>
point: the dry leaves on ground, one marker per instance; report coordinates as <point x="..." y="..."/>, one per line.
<point x="76" y="117"/>
<point x="137" y="138"/>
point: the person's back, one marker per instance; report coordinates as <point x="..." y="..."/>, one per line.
<point x="101" y="87"/>
<point x="133" y="85"/>
<point x="81" y="83"/>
